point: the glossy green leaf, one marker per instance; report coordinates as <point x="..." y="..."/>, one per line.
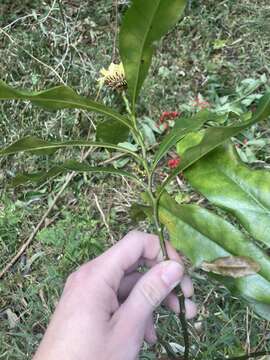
<point x="208" y="139"/>
<point x="181" y="128"/>
<point x="60" y="97"/>
<point x="204" y="237"/>
<point x="228" y="183"/>
<point x="112" y="132"/>
<point x="70" y="165"/>
<point x="145" y="22"/>
<point x="30" y="144"/>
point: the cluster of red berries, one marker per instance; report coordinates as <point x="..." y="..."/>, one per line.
<point x="173" y="163"/>
<point x="168" y="115"/>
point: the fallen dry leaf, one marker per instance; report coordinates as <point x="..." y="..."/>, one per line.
<point x="12" y="318"/>
<point x="233" y="266"/>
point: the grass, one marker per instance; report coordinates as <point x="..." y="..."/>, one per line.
<point x="210" y="52"/>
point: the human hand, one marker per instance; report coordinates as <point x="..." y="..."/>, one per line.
<point x="106" y="309"/>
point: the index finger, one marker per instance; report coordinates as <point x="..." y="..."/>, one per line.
<point x="127" y="252"/>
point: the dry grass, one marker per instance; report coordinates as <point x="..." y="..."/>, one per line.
<point x="42" y="44"/>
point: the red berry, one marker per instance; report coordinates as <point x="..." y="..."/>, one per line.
<point x="173" y="163"/>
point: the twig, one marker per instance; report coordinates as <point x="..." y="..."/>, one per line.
<point x="103" y="218"/>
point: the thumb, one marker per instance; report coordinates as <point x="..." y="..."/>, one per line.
<point x="149" y="292"/>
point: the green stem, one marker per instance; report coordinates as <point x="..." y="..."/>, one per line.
<point x="136" y="132"/>
<point x="182" y="318"/>
<point x="159" y="227"/>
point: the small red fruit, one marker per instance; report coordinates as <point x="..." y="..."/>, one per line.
<point x="173" y="163"/>
<point x="175" y="114"/>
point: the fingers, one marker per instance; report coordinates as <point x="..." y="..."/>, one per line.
<point x="191" y="309"/>
<point x="187" y="286"/>
<point x="172" y="254"/>
<point x="171" y="301"/>
<point x="149" y="292"/>
<point x="127" y="284"/>
<point x="126" y="254"/>
<point x="150" y="335"/>
<point x="136" y="247"/>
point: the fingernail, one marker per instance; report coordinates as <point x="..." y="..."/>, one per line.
<point x="172" y="273"/>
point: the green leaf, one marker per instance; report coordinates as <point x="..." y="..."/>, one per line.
<point x="145" y="22"/>
<point x="225" y="181"/>
<point x="36" y="178"/>
<point x="204" y="237"/>
<point x="148" y="134"/>
<point x="207" y="140"/>
<point x="30" y="144"/>
<point x="137" y="212"/>
<point x="70" y="165"/>
<point x="112" y="132"/>
<point x="181" y="128"/>
<point x="60" y="97"/>
<point x="261" y="309"/>
<point x="73" y="165"/>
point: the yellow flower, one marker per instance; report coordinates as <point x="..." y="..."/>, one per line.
<point x="114" y="77"/>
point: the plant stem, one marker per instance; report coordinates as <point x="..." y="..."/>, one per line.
<point x="182" y="318"/>
<point x="159" y="227"/>
<point x="136" y="132"/>
<point x="182" y="313"/>
<point x="138" y="137"/>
